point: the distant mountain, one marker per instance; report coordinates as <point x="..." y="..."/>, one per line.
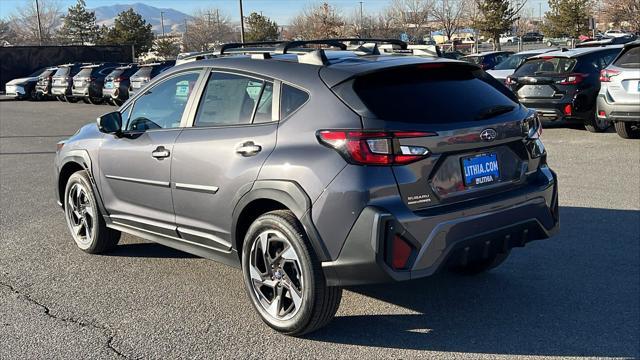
<point x="173" y="19"/>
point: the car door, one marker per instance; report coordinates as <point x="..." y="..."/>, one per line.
<point x="217" y="159"/>
<point x="135" y="167"/>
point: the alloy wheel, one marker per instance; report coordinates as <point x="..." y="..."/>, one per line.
<point x="276" y="275"/>
<point x="80" y="215"/>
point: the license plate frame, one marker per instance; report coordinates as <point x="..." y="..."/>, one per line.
<point x="480" y="169"/>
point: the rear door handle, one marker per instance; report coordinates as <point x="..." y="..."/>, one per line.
<point x="248" y="149"/>
<point x="160" y="152"/>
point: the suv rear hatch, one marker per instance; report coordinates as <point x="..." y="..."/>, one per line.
<point x="84" y="77"/>
<point x="544" y="78"/>
<point x="468" y="126"/>
<point x="62" y="76"/>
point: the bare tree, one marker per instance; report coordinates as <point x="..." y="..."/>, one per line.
<point x="449" y="16"/>
<point x="24" y="22"/>
<point x="207" y="28"/>
<point x="624" y="13"/>
<point x="411" y="16"/>
<point x="322" y="21"/>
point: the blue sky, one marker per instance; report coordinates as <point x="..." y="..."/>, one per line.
<point x="279" y="10"/>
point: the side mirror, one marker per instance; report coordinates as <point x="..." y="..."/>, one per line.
<point x="110" y="123"/>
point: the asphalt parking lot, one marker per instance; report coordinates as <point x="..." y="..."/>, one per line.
<point x="575" y="295"/>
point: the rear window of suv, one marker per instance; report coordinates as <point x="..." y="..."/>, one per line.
<point x="62" y="71"/>
<point x="630" y="59"/>
<point x="546" y="65"/>
<point x="442" y="94"/>
<point x="85" y="72"/>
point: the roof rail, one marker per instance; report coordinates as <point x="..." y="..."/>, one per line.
<point x="229" y="46"/>
<point x="285" y="46"/>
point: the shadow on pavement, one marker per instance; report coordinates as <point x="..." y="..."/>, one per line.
<point x="148" y="250"/>
<point x="576" y="294"/>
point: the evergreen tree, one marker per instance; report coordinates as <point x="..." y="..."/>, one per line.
<point x="260" y="28"/>
<point x="79" y="25"/>
<point x="130" y="28"/>
<point x="496" y="17"/>
<point x="567" y="18"/>
<point x="166" y="48"/>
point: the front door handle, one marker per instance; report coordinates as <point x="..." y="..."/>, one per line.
<point x="160" y="152"/>
<point x="248" y="149"/>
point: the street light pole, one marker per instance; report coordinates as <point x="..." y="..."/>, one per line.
<point x="162" y="22"/>
<point x="361" y="23"/>
<point x="39" y="23"/>
<point x="241" y="23"/>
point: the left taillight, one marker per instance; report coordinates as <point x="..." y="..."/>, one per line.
<point x="375" y="147"/>
<point x="607" y="74"/>
<point x="572" y="79"/>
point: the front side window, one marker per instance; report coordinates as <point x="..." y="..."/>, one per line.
<point x="230" y="99"/>
<point x="161" y="107"/>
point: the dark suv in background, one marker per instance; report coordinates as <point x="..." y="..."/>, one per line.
<point x="62" y="81"/>
<point x="116" y="84"/>
<point x="563" y="85"/>
<point x="487" y="60"/>
<point x="313" y="169"/>
<point x="145" y="73"/>
<point x="88" y="82"/>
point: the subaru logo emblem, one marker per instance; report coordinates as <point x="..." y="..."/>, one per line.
<point x="488" y="134"/>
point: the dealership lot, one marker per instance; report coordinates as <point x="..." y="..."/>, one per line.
<point x="573" y="295"/>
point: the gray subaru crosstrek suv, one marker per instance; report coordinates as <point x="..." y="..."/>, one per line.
<point x="313" y="169"/>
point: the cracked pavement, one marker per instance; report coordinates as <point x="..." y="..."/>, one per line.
<point x="576" y="295"/>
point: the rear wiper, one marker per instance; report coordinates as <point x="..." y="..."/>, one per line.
<point x="494" y="111"/>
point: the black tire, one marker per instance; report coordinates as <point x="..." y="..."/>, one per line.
<point x="94" y="101"/>
<point x="98" y="238"/>
<point x="595" y="125"/>
<point x="71" y="99"/>
<point x="481" y="265"/>
<point x="625" y="130"/>
<point x="319" y="302"/>
<point x="61" y="98"/>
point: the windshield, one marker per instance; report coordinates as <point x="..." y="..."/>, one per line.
<point x="546" y="65"/>
<point x="115" y="73"/>
<point x="433" y="95"/>
<point x="512" y="62"/>
<point x="37" y="72"/>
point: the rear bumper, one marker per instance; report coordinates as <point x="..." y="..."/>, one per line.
<point x="554" y="111"/>
<point x="60" y="90"/>
<point x="497" y="226"/>
<point x="617" y="112"/>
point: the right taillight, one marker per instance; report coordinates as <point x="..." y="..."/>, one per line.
<point x="375" y="147"/>
<point x="607" y="74"/>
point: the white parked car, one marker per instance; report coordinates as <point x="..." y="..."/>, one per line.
<point x="615" y="33"/>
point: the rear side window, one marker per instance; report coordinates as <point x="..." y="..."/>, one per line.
<point x="231" y="99"/>
<point x="629" y="59"/>
<point x="550" y="65"/>
<point x="511" y="62"/>
<point x="433" y="95"/>
<point x="291" y="99"/>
